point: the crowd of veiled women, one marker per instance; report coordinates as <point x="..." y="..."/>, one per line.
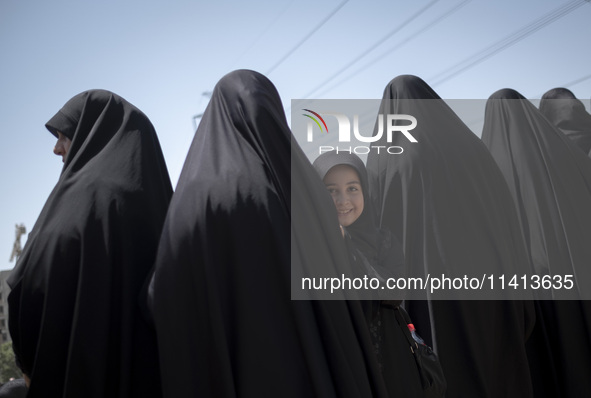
<point x="126" y="289"/>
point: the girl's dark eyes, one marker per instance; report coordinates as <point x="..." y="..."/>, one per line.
<point x="350" y="189"/>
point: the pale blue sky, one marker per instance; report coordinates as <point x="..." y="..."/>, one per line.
<point x="162" y="55"/>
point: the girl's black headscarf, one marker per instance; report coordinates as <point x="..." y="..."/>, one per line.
<point x="379" y="247"/>
<point x="565" y="111"/>
<point x="550" y="181"/>
<point x="248" y="209"/>
<point x="74" y="315"/>
<point x="452" y="209"/>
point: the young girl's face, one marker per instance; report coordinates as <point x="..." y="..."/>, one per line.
<point x="344" y="185"/>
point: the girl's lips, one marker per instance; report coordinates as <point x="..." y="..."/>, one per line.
<point x="341" y="212"/>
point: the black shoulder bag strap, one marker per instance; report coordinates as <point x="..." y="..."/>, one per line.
<point x="430" y="371"/>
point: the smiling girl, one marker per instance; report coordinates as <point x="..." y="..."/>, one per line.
<point x="377" y="254"/>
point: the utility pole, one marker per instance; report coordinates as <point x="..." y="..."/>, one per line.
<point x="206" y="94"/>
<point x="20" y="230"/>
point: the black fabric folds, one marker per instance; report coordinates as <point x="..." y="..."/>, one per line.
<point x="447" y="200"/>
<point x="75" y="317"/>
<point x="444" y="194"/>
<point x="221" y="290"/>
<point x="565" y="111"/>
<point x="14" y="389"/>
<point x="550" y="180"/>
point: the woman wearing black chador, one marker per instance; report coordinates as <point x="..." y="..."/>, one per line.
<point x="550" y="180"/>
<point x="449" y="203"/>
<point x="568" y="114"/>
<point x="248" y="214"/>
<point x="75" y="316"/>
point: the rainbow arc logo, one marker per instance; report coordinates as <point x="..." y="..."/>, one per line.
<point x="316" y="120"/>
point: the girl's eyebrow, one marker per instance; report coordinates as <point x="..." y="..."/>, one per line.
<point x="347" y="183"/>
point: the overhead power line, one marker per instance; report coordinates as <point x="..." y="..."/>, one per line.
<point x="571" y="83"/>
<point x="314" y="30"/>
<point x="506" y="42"/>
<point x="412" y="18"/>
<point x="262" y="34"/>
<point x="579" y="80"/>
<point x="419" y="31"/>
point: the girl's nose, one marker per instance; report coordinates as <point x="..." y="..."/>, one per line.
<point x="342" y="198"/>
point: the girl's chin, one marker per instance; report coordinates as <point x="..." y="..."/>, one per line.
<point x="345" y="221"/>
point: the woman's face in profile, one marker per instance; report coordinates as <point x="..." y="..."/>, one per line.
<point x="62" y="146"/>
<point x="344" y="185"/>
